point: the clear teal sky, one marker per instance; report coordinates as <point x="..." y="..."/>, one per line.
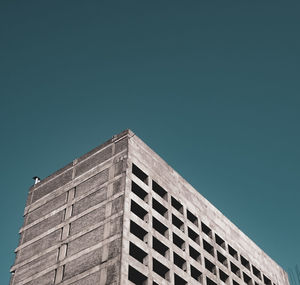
<point x="212" y="86"/>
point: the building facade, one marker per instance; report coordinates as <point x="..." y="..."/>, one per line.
<point x="120" y="215"/>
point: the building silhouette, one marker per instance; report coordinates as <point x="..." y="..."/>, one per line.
<point x="121" y="215"/>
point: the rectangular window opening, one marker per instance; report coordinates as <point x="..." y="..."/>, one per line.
<point x="245" y="262"/>
<point x="256" y="272"/>
<point x="220" y="241"/>
<point x="139" y="173"/>
<point x="208" y="247"/>
<point x="206" y="229"/>
<point x="210" y="266"/>
<point x="158" y="207"/>
<point x="160" y="247"/>
<point x="235" y="269"/>
<point x="137" y="253"/>
<point x="178" y="280"/>
<point x="196" y="274"/>
<point x="159" y="190"/>
<point x="138" y="231"/>
<point x="177" y="205"/>
<point x="136" y="277"/>
<point x="140" y="192"/>
<point x="193" y="236"/>
<point x="161" y="228"/>
<point x="178" y="241"/>
<point x="210" y="282"/>
<point x="233" y="252"/>
<point x="160" y="269"/>
<point x="177" y="223"/>
<point x="223" y="276"/>
<point x="179" y="261"/>
<point x="192" y="218"/>
<point x="222" y="258"/>
<point x="138" y="210"/>
<point x="267" y="281"/>
<point x="247" y="279"/>
<point x="195" y="254"/>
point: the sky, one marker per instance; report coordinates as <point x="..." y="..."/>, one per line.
<point x="212" y="86"/>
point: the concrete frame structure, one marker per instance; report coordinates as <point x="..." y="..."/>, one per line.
<point x="121" y="215"/>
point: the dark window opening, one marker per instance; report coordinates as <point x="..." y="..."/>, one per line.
<point x="256" y="283"/>
<point x="136" y="277"/>
<point x="247" y="279"/>
<point x="137" y="231"/>
<point x="208" y="247"/>
<point x="195" y="254"/>
<point x="178" y="280"/>
<point x="220" y="241"/>
<point x="160" y="247"/>
<point x="192" y="218"/>
<point x="178" y="241"/>
<point x="137" y="253"/>
<point x="223" y="276"/>
<point x="267" y="281"/>
<point x="235" y="269"/>
<point x="256" y="272"/>
<point x="159" y="208"/>
<point x="179" y="261"/>
<point x="206" y="229"/>
<point x="140" y="192"/>
<point x="222" y="258"/>
<point x="193" y="236"/>
<point x="235" y="283"/>
<point x="138" y="210"/>
<point x="177" y="205"/>
<point x="154" y="283"/>
<point x="196" y="274"/>
<point x="140" y="174"/>
<point x="159" y="190"/>
<point x="233" y="252"/>
<point x="210" y="282"/>
<point x="210" y="266"/>
<point x="161" y="228"/>
<point x="245" y="262"/>
<point x="160" y="269"/>
<point x="177" y="223"/>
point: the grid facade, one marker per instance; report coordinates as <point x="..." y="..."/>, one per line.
<point x="121" y="215"/>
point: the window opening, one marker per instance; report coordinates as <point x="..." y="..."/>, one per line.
<point x="193" y="236"/>
<point x="256" y="272"/>
<point x="210" y="266"/>
<point x="161" y="228"/>
<point x="208" y="247"/>
<point x="192" y="218"/>
<point x="177" y="223"/>
<point x="140" y="174"/>
<point x="138" y="210"/>
<point x="235" y="269"/>
<point x="159" y="208"/>
<point x="233" y="252"/>
<point x="222" y="258"/>
<point x="136" y="277"/>
<point x="179" y="261"/>
<point x="178" y="241"/>
<point x="160" y="269"/>
<point x="245" y="262"/>
<point x="159" y="190"/>
<point x="210" y="282"/>
<point x="196" y="274"/>
<point x="160" y="247"/>
<point x="220" y="241"/>
<point x="137" y="253"/>
<point x="206" y="229"/>
<point x="178" y="280"/>
<point x="267" y="281"/>
<point x="177" y="205"/>
<point x="138" y="231"/>
<point x="223" y="276"/>
<point x="247" y="279"/>
<point x="195" y="254"/>
<point x="140" y="192"/>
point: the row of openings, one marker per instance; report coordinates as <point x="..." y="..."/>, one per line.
<point x="191" y="217"/>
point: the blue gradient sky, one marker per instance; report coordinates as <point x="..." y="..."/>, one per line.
<point x="212" y="86"/>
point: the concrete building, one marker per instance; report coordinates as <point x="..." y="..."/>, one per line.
<point x="120" y="215"/>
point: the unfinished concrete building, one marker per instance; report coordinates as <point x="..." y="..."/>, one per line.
<point x="120" y="215"/>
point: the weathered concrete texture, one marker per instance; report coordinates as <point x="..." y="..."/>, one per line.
<point x="73" y="221"/>
<point x="121" y="208"/>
